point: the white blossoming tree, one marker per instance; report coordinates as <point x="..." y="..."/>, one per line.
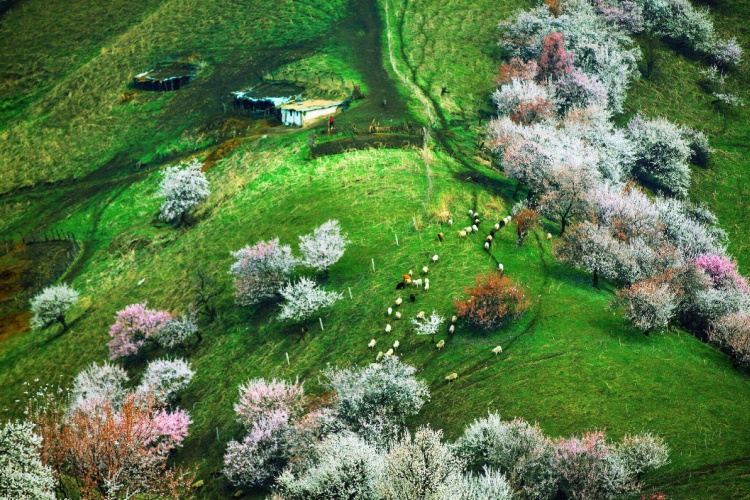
<point x="97" y="384"/>
<point x="51" y="305"/>
<point x="182" y="188"/>
<point x="324" y="247"/>
<point x="261" y="270"/>
<point x="428" y="326"/>
<point x="165" y="379"/>
<point x="23" y="476"/>
<point x="303" y="298"/>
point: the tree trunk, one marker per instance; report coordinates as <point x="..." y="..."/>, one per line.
<point x="596" y="279"/>
<point x="200" y="337"/>
<point x="563" y="225"/>
<point x="61" y="319"/>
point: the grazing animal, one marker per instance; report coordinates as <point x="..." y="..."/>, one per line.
<point x="549" y="236"/>
<point x="417" y="282"/>
<point x="450" y="222"/>
<point x="435" y="258"/>
<point x="440" y="236"/>
<point x="444" y="214"/>
<point x="401" y="285"/>
<point x="389" y="352"/>
<point x="398" y="315"/>
<point x="440" y="344"/>
<point x="425" y="270"/>
<point x="468" y="229"/>
<point x="388" y="328"/>
<point x="396" y="344"/>
<point x="390" y="311"/>
<point x="411" y="273"/>
<point x="497" y="227"/>
<point x="405" y="277"/>
<point x="412" y="297"/>
<point x="500" y="268"/>
<point x="476" y="222"/>
<point x="451" y="378"/>
<point x="462" y="234"/>
<point x="420" y="315"/>
<point x="452" y="329"/>
<point x="474" y="228"/>
<point x="471" y="212"/>
<point x="426" y="284"/>
<point x="379" y="356"/>
<point x="454" y="319"/>
<point x="497" y="350"/>
<point x="398" y="301"/>
<point x="372" y="343"/>
<point x="492" y="233"/>
<point x="487" y="246"/>
<point x="489" y="238"/>
<point x="476" y="215"/>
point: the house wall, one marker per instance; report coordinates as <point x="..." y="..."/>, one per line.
<point x="292" y="118"/>
<point x="312" y="115"/>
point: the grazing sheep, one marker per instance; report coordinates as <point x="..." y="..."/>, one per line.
<point x="398" y="315"/>
<point x="425" y="270"/>
<point x="476" y="215"/>
<point x="454" y="319"/>
<point x="435" y="258"/>
<point x="474" y="228"/>
<point x="462" y="234"/>
<point x="417" y="282"/>
<point x="489" y="238"/>
<point x="389" y="352"/>
<point x="390" y="311"/>
<point x="420" y="315"/>
<point x="452" y="329"/>
<point x="412" y="297"/>
<point x="497" y="227"/>
<point x="497" y="350"/>
<point x="398" y="301"/>
<point x="500" y="268"/>
<point x="440" y="344"/>
<point x="388" y="328"/>
<point x="396" y="344"/>
<point x="401" y="285"/>
<point x="487" y="246"/>
<point x="379" y="356"/>
<point x="405" y="277"/>
<point x="372" y="343"/>
<point x="411" y="273"/>
<point x="426" y="284"/>
<point x="549" y="236"/>
<point x="451" y="378"/>
<point x="476" y="222"/>
<point x="471" y="212"/>
<point x="507" y="220"/>
<point x="440" y="236"/>
<point x="450" y="222"/>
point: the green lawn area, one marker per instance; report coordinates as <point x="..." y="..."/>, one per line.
<point x="571" y="364"/>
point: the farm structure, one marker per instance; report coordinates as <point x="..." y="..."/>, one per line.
<point x="304" y="112"/>
<point x="170" y="76"/>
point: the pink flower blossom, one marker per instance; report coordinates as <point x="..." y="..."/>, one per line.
<point x="134" y="325"/>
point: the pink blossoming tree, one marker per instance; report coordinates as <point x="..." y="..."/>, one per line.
<point x="133" y="326"/>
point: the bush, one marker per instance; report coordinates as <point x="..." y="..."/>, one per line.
<point x="700" y="149"/>
<point x="642" y="452"/>
<point x="261" y="270"/>
<point x="182" y="188"/>
<point x="51" y="305"/>
<point x="649" y="304"/>
<point x="555" y="61"/>
<point x="490" y="485"/>
<point x="23" y="476"/>
<point x="98" y="383"/>
<point x="376" y="400"/>
<point x="732" y="334"/>
<point x="578" y="90"/>
<point x="526" y="221"/>
<point x="494" y="301"/>
<point x="165" y="379"/>
<point x="516" y="69"/>
<point x="510" y="98"/>
<point x="176" y="331"/>
<point x="662" y="154"/>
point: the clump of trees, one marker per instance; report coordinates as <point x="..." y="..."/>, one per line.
<point x="492" y="302"/>
<point x="51" y="305"/>
<point x="23" y="475"/>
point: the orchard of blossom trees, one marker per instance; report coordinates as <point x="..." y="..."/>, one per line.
<point x="570" y="65"/>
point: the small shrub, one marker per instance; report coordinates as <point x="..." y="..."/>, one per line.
<point x="649" y="304"/>
<point x="176" y="331"/>
<point x="303" y="298"/>
<point x="165" y="379"/>
<point x="324" y="247"/>
<point x="492" y="302"/>
<point x="700" y="149"/>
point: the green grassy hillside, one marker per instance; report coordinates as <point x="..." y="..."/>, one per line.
<point x="570" y="364"/>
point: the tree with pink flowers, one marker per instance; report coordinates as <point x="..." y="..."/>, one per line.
<point x="260" y="271"/>
<point x="723" y="272"/>
<point x="133" y="327"/>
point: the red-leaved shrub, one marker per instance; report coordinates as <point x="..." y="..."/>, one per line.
<point x="494" y="300"/>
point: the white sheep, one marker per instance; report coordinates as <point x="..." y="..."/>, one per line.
<point x="372" y="343"/>
<point x="398" y="301"/>
<point x="507" y="220"/>
<point x="420" y="315"/>
<point x="435" y="258"/>
<point x="500" y="268"/>
<point x="388" y="328"/>
<point x="450" y="222"/>
<point x="497" y="350"/>
<point x="451" y="378"/>
<point x="398" y="315"/>
<point x="379" y="356"/>
<point x="411" y="273"/>
<point x="417" y="282"/>
<point x="390" y="311"/>
<point x="389" y="352"/>
<point x="474" y="228"/>
<point x="425" y="270"/>
<point x="471" y="212"/>
<point x="476" y="215"/>
<point x="426" y="284"/>
<point x="454" y="318"/>
<point x="440" y="344"/>
<point x="396" y="344"/>
<point x="497" y="227"/>
<point x="549" y="236"/>
<point x="462" y="234"/>
<point x="452" y="329"/>
<point x="489" y="237"/>
<point x="487" y="246"/>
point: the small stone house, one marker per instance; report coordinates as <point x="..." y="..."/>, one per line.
<point x="302" y="113"/>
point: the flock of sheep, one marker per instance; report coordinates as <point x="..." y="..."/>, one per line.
<point x="408" y="280"/>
